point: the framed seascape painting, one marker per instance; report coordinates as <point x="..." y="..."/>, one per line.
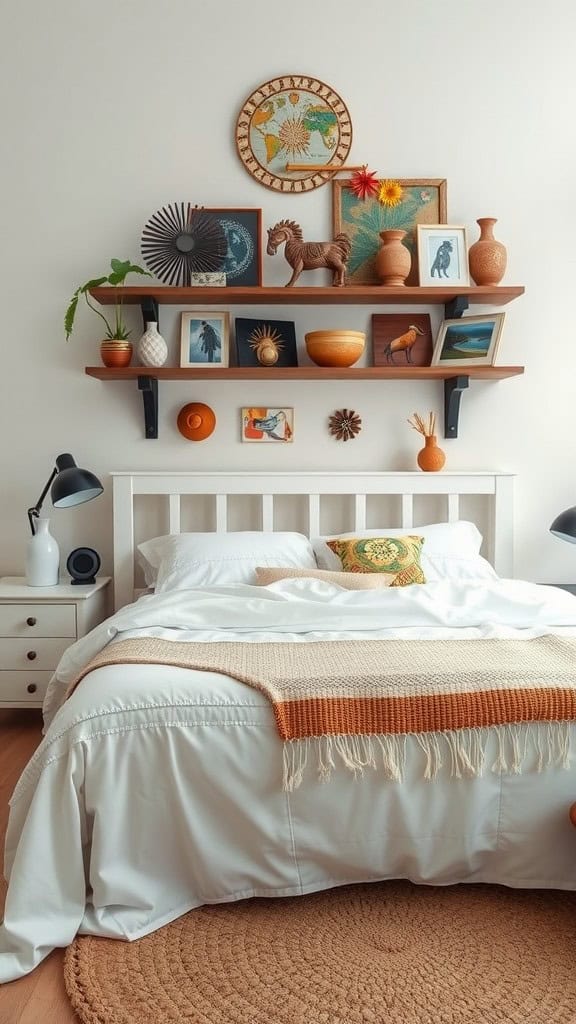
<point x="267" y="425"/>
<point x="204" y="338"/>
<point x="400" y="204"/>
<point x="469" y="341"/>
<point x="442" y="255"/>
<point x="242" y="229"/>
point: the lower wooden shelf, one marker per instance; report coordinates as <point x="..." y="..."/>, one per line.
<point x="317" y="373"/>
<point x="456" y="380"/>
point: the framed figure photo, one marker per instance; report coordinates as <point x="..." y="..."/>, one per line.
<point x="442" y="255"/>
<point x="468" y="341"/>
<point x="204" y="338"/>
<point x="242" y="229"/>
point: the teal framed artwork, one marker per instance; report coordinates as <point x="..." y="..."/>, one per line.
<point x="401" y="204"/>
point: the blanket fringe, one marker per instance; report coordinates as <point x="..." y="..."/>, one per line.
<point x="527" y="746"/>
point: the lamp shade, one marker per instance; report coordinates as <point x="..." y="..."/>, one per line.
<point x="73" y="485"/>
<point x="564" y="526"/>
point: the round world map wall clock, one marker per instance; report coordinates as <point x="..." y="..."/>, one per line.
<point x="293" y="120"/>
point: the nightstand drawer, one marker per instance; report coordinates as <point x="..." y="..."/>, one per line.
<point x="38" y="653"/>
<point x="23" y="687"/>
<point x="23" y="620"/>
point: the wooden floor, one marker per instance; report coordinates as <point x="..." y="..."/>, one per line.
<point x="39" y="998"/>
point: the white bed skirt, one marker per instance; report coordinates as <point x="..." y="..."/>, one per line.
<point x="160" y="804"/>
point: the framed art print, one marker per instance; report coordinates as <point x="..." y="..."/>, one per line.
<point x="204" y="338"/>
<point x="442" y="255"/>
<point x="242" y="228"/>
<point x="267" y="425"/>
<point x="401" y="339"/>
<point x="265" y="342"/>
<point x="401" y="204"/>
<point x="468" y="341"/>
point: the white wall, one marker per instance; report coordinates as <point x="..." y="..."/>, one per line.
<point x="113" y="110"/>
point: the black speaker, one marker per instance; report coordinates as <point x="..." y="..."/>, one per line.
<point x="83" y="564"/>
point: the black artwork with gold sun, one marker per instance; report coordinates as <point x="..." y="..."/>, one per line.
<point x="267" y="343"/>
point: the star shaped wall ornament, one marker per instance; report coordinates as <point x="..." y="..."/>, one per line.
<point x="364" y="183"/>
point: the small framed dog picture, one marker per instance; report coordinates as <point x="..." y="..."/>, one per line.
<point x="442" y="255"/>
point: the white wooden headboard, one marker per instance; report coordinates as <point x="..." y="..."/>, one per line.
<point x="126" y="486"/>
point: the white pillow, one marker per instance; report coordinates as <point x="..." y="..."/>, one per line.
<point x="450" y="550"/>
<point x="185" y="560"/>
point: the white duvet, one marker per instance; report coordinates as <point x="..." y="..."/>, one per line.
<point x="157" y="789"/>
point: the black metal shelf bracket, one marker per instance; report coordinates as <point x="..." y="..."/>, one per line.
<point x="150" y="311"/>
<point x="453" y="388"/>
<point x="149" y="388"/>
<point x="456" y="307"/>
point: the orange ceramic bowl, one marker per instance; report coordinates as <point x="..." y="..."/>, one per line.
<point x="335" y="348"/>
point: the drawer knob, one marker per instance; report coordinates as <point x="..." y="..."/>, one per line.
<point x="31" y="655"/>
<point x="31" y="621"/>
<point x="31" y="687"/>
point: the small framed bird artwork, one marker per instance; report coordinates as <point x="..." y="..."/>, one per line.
<point x="401" y="339"/>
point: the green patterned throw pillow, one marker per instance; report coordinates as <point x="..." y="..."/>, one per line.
<point x="398" y="557"/>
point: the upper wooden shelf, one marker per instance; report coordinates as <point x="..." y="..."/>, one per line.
<point x="304" y="372"/>
<point x="347" y="296"/>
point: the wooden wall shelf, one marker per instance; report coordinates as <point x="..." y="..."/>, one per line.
<point x="317" y="373"/>
<point x="348" y="296"/>
<point x="454" y="382"/>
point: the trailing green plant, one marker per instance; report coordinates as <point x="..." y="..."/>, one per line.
<point x="120" y="271"/>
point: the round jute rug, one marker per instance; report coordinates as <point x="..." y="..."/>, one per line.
<point x="384" y="953"/>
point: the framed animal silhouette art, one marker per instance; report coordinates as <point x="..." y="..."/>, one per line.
<point x="442" y="255"/>
<point x="401" y="339"/>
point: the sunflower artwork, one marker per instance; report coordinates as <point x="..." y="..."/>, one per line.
<point x="395" y="203"/>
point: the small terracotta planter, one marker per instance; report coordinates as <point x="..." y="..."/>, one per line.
<point x="431" y="458"/>
<point x="115" y="353"/>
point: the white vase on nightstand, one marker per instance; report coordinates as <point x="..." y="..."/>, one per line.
<point x="152" y="350"/>
<point x="42" y="557"/>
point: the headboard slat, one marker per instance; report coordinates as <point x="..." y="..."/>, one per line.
<point x="407" y="511"/>
<point x="267" y="512"/>
<point x="221" y="513"/>
<point x="314" y="515"/>
<point x="174" y="513"/>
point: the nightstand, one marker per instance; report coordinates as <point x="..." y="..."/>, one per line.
<point x="570" y="587"/>
<point x="37" y="624"/>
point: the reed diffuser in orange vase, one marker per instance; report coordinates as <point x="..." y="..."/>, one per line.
<point x="430" y="458"/>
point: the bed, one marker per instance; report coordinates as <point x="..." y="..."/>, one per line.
<point x="159" y="787"/>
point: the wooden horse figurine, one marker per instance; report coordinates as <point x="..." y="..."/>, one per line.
<point x="309" y="255"/>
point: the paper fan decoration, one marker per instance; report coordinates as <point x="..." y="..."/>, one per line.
<point x="180" y="240"/>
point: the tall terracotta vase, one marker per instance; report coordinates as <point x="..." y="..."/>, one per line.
<point x="431" y="458"/>
<point x="393" y="260"/>
<point x="487" y="256"/>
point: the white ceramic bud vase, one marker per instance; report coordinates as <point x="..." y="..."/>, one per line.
<point x="152" y="350"/>
<point x="42" y="557"/>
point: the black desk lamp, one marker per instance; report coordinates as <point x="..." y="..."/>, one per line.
<point x="564" y="526"/>
<point x="70" y="486"/>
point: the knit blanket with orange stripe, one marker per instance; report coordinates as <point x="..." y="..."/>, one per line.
<point x="356" y="701"/>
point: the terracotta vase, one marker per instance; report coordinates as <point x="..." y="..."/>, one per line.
<point x="393" y="260"/>
<point x="487" y="256"/>
<point x="115" y="353"/>
<point x="431" y="458"/>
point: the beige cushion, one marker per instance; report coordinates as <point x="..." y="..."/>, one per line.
<point x="348" y="580"/>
